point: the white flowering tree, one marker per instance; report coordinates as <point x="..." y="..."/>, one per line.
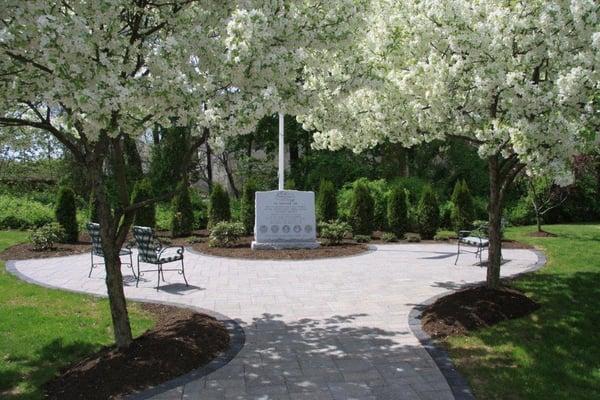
<point x="514" y="79"/>
<point x="92" y="73"/>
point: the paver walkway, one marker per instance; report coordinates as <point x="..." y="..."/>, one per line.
<point x="315" y="329"/>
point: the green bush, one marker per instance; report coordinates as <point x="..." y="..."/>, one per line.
<point x="225" y="234"/>
<point x="446" y="214"/>
<point x="66" y="214"/>
<point x="21" y="213"/>
<point x="412" y="237"/>
<point x="43" y="238"/>
<point x="397" y="211"/>
<point x="218" y="209"/>
<point x="444" y="236"/>
<point x="326" y="202"/>
<point x="377" y="189"/>
<point x="334" y="231"/>
<point x="428" y="213"/>
<point x="521" y="213"/>
<point x="182" y="220"/>
<point x="361" y="210"/>
<point x="362" y="238"/>
<point x="462" y="215"/>
<point x="145" y="216"/>
<point x="389" y="237"/>
<point x="199" y="208"/>
<point x="247" y="206"/>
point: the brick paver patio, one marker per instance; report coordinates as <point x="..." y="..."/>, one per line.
<point x="315" y="329"/>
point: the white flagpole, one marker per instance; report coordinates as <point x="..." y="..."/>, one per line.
<point x="281" y="154"/>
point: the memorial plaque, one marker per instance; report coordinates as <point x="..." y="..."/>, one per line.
<point x="285" y="219"/>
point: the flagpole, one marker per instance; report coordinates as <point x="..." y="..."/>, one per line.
<point x="281" y="153"/>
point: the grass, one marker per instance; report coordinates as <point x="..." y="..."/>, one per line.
<point x="42" y="330"/>
<point x="553" y="353"/>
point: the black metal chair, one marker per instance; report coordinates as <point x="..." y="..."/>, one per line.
<point x="151" y="251"/>
<point x="474" y="239"/>
<point x="94" y="231"/>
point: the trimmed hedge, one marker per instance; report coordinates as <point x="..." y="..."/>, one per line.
<point x="326" y="202"/>
<point x="397" y="212"/>
<point x="463" y="211"/>
<point x="182" y="220"/>
<point x="428" y="213"/>
<point x="247" y="207"/>
<point x="66" y="214"/>
<point x="218" y="209"/>
<point x="362" y="210"/>
<point x="145" y="216"/>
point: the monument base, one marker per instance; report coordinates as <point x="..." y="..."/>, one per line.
<point x="284" y="245"/>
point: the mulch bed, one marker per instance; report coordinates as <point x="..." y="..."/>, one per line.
<point x="474" y="308"/>
<point x="243" y="250"/>
<point x="26" y="251"/>
<point x="181" y="341"/>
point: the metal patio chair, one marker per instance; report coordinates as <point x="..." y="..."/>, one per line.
<point x="151" y="251"/>
<point x="94" y="231"/>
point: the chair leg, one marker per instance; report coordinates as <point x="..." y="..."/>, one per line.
<point x="131" y="265"/>
<point x="183" y="273"/>
<point x="162" y="274"/>
<point x="158" y="281"/>
<point x="137" y="281"/>
<point x="92" y="264"/>
<point x="457" y="253"/>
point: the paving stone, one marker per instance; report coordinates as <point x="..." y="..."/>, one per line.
<point x="328" y="328"/>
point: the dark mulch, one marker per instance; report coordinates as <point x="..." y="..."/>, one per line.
<point x="243" y="250"/>
<point x="541" y="234"/>
<point x="26" y="251"/>
<point x="474" y="308"/>
<point x="181" y="341"/>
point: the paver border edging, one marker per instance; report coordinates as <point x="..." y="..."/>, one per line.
<point x="458" y="384"/>
<point x="237" y="337"/>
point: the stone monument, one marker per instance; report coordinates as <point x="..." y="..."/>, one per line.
<point x="284" y="219"/>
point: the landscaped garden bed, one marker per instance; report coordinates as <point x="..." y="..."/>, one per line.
<point x="24" y="251"/>
<point x="180" y="341"/>
<point x="474" y="308"/>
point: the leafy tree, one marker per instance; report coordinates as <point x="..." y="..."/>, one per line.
<point x="66" y="214"/>
<point x="326" y="202"/>
<point x="362" y="210"/>
<point x="165" y="160"/>
<point x="428" y="213"/>
<point x="397" y="211"/>
<point x="144" y="216"/>
<point x="182" y="222"/>
<point x="462" y="207"/>
<point x="219" y="209"/>
<point x="248" y="206"/>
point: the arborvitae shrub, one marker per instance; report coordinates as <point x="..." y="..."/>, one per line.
<point x="182" y="222"/>
<point x="247" y="207"/>
<point x="397" y="211"/>
<point x="326" y="202"/>
<point x="362" y="210"/>
<point x="145" y="216"/>
<point x="428" y="213"/>
<point x="218" y="209"/>
<point x="463" y="210"/>
<point x="66" y="214"/>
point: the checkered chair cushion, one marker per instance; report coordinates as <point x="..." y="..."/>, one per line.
<point x="475" y="241"/>
<point x="148" y="246"/>
<point x="94" y="232"/>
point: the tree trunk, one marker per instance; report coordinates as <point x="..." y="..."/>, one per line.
<point x="110" y="248"/>
<point x="495" y="224"/>
<point x="209" y="172"/>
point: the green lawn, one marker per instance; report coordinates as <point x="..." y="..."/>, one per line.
<point x="555" y="352"/>
<point x="42" y="330"/>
